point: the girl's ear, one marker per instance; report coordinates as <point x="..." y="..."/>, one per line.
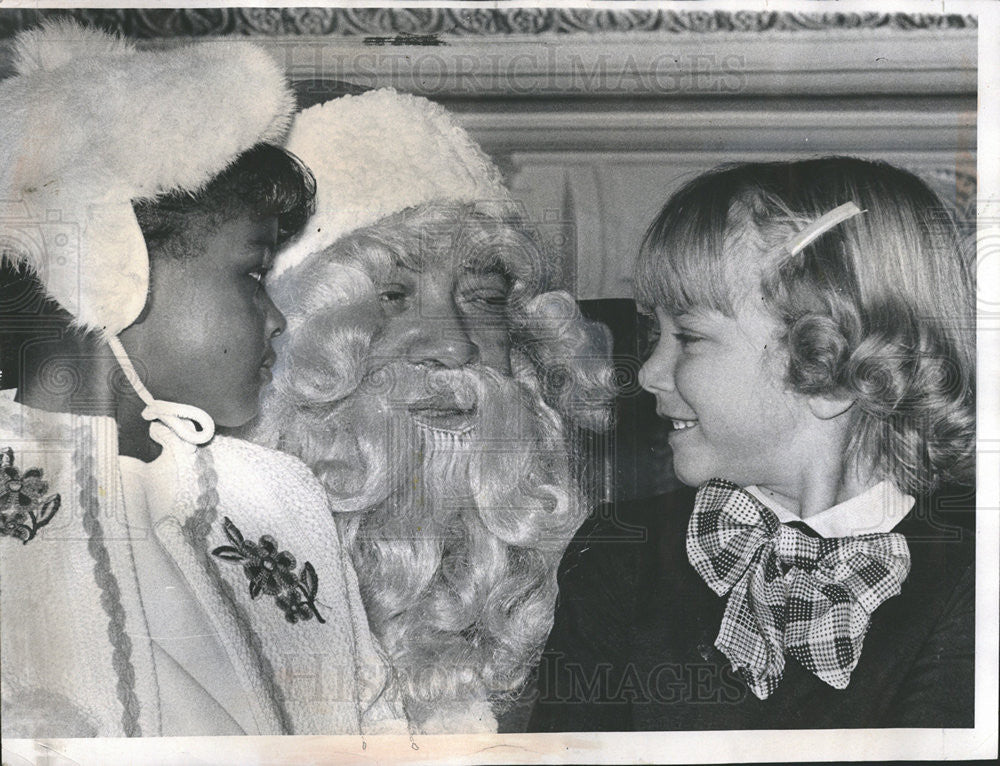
<point x="829" y="406"/>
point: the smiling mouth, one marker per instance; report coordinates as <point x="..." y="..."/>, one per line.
<point x="682" y="425"/>
<point x="443" y="413"/>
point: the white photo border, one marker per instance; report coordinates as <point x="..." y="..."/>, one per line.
<point x="700" y="746"/>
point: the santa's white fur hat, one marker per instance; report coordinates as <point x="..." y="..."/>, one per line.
<point x="377" y="154"/>
<point x="88" y="124"/>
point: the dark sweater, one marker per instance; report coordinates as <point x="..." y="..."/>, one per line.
<point x="633" y="643"/>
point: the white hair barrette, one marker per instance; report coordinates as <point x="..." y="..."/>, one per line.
<point x="821" y="226"/>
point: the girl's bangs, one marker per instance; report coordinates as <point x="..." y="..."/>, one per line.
<point x="683" y="266"/>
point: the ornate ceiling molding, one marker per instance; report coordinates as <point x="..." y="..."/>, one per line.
<point x="398" y="23"/>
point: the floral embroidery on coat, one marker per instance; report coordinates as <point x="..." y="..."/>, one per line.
<point x="25" y="505"/>
<point x="272" y="572"/>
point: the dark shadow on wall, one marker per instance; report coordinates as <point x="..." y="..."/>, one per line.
<point x="640" y="459"/>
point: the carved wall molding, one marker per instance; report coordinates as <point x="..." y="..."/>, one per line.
<point x="707" y="127"/>
<point x="450" y="54"/>
<point x="155" y="23"/>
<point x="676" y="67"/>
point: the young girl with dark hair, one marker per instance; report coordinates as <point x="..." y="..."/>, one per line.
<point x="157" y="578"/>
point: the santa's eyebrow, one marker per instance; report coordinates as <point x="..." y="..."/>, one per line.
<point x="488" y="268"/>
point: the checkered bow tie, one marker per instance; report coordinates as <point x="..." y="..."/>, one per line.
<point x="811" y="597"/>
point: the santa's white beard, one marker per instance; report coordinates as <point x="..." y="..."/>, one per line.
<point x="456" y="534"/>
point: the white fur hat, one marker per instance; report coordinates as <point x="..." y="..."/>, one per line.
<point x="88" y="124"/>
<point x="377" y="154"/>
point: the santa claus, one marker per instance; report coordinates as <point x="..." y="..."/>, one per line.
<point x="436" y="388"/>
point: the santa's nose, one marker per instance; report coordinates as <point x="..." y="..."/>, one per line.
<point x="442" y="339"/>
<point x="450" y="352"/>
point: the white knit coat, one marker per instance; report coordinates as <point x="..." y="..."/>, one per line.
<point x="118" y="620"/>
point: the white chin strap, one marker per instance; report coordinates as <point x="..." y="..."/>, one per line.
<point x="179" y="418"/>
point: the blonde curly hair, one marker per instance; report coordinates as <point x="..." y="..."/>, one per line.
<point x="880" y="308"/>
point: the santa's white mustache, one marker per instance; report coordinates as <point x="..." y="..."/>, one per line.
<point x="427" y="393"/>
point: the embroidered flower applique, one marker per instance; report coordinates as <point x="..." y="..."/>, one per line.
<point x="272" y="572"/>
<point x="25" y="505"/>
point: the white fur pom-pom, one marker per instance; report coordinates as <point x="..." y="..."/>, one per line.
<point x="377" y="154"/>
<point x="60" y="42"/>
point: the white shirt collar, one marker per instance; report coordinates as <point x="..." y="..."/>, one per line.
<point x="878" y="509"/>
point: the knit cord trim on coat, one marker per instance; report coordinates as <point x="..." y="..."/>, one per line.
<point x="121" y="656"/>
<point x="196" y="529"/>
